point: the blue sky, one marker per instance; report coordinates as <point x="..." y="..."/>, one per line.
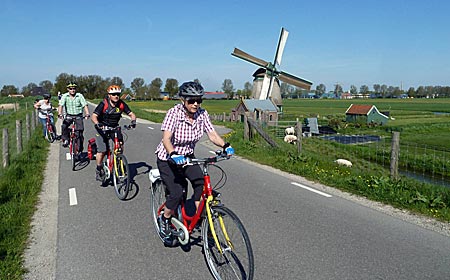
<point x="398" y="43"/>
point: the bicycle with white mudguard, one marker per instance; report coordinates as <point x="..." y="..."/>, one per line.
<point x="226" y="244"/>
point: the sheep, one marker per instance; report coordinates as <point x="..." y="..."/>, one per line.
<point x="291" y="139"/>
<point x="345" y="162"/>
<point x="289" y="131"/>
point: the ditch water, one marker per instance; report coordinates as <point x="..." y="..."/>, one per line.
<point x="426" y="178"/>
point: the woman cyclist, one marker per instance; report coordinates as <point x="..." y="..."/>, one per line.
<point x="45" y="107"/>
<point x="183" y="126"/>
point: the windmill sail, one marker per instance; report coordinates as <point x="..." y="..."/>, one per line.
<point x="295" y="81"/>
<point x="250" y="58"/>
<point x="281" y="43"/>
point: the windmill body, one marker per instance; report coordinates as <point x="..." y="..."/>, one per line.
<point x="266" y="82"/>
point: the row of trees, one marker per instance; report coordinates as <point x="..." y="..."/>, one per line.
<point x="94" y="86"/>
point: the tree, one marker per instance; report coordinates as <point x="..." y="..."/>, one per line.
<point x="171" y="87"/>
<point x="353" y="90"/>
<point x="26" y="90"/>
<point x="411" y="92"/>
<point x="47" y="85"/>
<point x="61" y="82"/>
<point x="197" y="81"/>
<point x="338" y="90"/>
<point x="138" y="88"/>
<point x="383" y="90"/>
<point x="377" y="89"/>
<point x="155" y="88"/>
<point x="321" y="89"/>
<point x="364" y="89"/>
<point x="228" y="89"/>
<point x="117" y="81"/>
<point x="248" y="88"/>
<point x="9" y="89"/>
<point x="286" y="90"/>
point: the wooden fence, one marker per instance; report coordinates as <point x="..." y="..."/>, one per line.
<point x="21" y="136"/>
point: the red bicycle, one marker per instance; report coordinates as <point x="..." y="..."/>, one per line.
<point x="226" y="244"/>
<point x="50" y="130"/>
<point x="74" y="140"/>
<point x="115" y="164"/>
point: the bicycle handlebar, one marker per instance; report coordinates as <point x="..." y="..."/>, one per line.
<point x="110" y="128"/>
<point x="220" y="155"/>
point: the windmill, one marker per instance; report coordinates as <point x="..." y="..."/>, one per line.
<point x="270" y="73"/>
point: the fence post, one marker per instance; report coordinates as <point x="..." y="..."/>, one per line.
<point x="5" y="148"/>
<point x="27" y="126"/>
<point x="246" y="128"/>
<point x="33" y="120"/>
<point x="224" y="116"/>
<point x="19" y="136"/>
<point x="395" y="149"/>
<point x="298" y="132"/>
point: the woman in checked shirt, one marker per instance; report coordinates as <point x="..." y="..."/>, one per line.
<point x="183" y="126"/>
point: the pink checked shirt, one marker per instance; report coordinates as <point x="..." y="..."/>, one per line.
<point x="185" y="134"/>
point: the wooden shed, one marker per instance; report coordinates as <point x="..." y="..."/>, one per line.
<point x="259" y="110"/>
<point x="368" y="114"/>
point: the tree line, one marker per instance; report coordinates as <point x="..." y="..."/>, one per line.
<point x="94" y="86"/>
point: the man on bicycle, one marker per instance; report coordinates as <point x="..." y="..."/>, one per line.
<point x="73" y="103"/>
<point x="183" y="126"/>
<point x="108" y="113"/>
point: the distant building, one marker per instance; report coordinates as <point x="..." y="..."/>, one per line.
<point x="36" y="91"/>
<point x="365" y="113"/>
<point x="214" y="95"/>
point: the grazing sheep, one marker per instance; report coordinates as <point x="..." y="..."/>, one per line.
<point x="344" y="162"/>
<point x="289" y="131"/>
<point x="291" y="139"/>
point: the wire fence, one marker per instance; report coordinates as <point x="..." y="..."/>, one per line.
<point x="420" y="162"/>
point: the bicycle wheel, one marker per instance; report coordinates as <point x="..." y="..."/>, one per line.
<point x="236" y="260"/>
<point x="121" y="173"/>
<point x="158" y="197"/>
<point x="50" y="135"/>
<point x="73" y="152"/>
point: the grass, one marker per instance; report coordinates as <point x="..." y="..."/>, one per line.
<point x="20" y="185"/>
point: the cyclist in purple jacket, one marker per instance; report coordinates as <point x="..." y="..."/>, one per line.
<point x="183" y="126"/>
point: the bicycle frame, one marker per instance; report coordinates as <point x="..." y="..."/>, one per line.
<point x="207" y="198"/>
<point x="117" y="149"/>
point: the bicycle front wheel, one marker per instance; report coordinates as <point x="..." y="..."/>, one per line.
<point x="158" y="197"/>
<point x="234" y="258"/>
<point x="121" y="175"/>
<point x="50" y="134"/>
<point x="73" y="152"/>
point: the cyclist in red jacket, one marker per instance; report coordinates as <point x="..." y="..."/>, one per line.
<point x="108" y="112"/>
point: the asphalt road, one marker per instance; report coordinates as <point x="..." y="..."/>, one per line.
<point x="298" y="229"/>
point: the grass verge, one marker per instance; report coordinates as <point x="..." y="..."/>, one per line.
<point x="20" y="185"/>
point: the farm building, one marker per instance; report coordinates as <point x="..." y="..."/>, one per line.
<point x="263" y="110"/>
<point x="368" y="114"/>
<point x="214" y="95"/>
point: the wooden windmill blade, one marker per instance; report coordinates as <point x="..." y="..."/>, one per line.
<point x="281" y="44"/>
<point x="265" y="89"/>
<point x="250" y="58"/>
<point x="294" y="80"/>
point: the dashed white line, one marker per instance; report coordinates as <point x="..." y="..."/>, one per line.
<point x="311" y="189"/>
<point x="72" y="197"/>
<point x="150" y="127"/>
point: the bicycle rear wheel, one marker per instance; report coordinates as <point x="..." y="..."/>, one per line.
<point x="158" y="197"/>
<point x="121" y="175"/>
<point x="73" y="152"/>
<point x="236" y="260"/>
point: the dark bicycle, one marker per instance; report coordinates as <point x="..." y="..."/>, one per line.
<point x="74" y="140"/>
<point x="50" y="130"/>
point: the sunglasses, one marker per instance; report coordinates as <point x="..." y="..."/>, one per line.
<point x="193" y="100"/>
<point x="114" y="94"/>
<point x="72" y="88"/>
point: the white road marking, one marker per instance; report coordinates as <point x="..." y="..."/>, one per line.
<point x="73" y="197"/>
<point x="150" y="127"/>
<point x="68" y="156"/>
<point x="311" y="189"/>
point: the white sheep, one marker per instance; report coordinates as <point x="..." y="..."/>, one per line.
<point x="289" y="131"/>
<point x="345" y="162"/>
<point x="291" y="139"/>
